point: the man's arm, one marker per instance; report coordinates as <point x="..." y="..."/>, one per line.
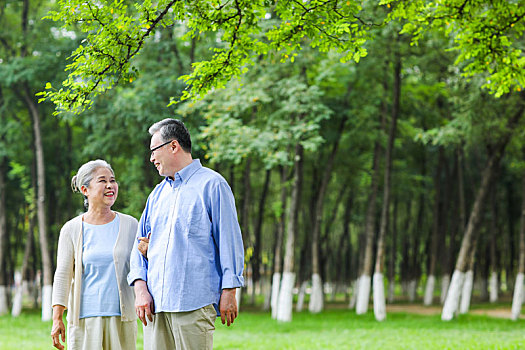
<point x="227" y="236"/>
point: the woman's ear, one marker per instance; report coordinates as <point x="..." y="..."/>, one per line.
<point x="83" y="190"/>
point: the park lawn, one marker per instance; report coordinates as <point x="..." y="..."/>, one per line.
<point x="332" y="329"/>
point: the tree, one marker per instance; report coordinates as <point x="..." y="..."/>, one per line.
<point x="379" y="288"/>
<point x="485" y="34"/>
<point x="28" y="62"/>
<point x="496" y="153"/>
<point x="3" y="236"/>
<point x="517" y="299"/>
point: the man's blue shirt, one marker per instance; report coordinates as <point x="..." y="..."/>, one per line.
<point x="195" y="248"/>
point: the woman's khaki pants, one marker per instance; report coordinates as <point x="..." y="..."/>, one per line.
<point x="108" y="333"/>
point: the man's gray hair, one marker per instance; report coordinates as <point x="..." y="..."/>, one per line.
<point x="86" y="173"/>
<point x="172" y="129"/>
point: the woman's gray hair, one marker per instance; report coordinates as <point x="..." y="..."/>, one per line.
<point x="85" y="174"/>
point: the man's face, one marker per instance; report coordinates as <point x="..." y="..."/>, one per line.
<point x="161" y="157"/>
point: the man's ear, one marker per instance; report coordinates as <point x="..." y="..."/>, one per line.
<point x="175" y="146"/>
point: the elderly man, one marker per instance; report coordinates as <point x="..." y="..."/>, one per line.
<point x="195" y="255"/>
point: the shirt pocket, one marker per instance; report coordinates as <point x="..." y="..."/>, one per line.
<point x="195" y="218"/>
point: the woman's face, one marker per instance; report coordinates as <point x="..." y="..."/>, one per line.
<point x="102" y="190"/>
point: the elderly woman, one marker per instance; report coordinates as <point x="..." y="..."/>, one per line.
<point x="92" y="265"/>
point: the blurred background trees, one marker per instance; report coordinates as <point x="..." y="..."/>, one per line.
<point x="398" y="165"/>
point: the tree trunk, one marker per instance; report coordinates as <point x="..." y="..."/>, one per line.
<point x="316" y="297"/>
<point x="468" y="284"/>
<point x="405" y="248"/>
<point x="379" y="286"/>
<point x="276" y="278"/>
<point x="257" y="232"/>
<point x="17" y="300"/>
<point x="4" y="307"/>
<point x="494" y="287"/>
<point x="517" y="299"/>
<point x="393" y="253"/>
<point x="363" y="282"/>
<point x="244" y="219"/>
<point x="414" y="267"/>
<point x="300" y="297"/>
<point x="452" y="299"/>
<point x="41" y="209"/>
<point x="461" y="191"/>
<point x="436" y="227"/>
<point x="451" y="302"/>
<point x="284" y="309"/>
<point x="451" y="225"/>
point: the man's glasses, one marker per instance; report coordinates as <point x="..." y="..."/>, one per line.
<point x="159" y="146"/>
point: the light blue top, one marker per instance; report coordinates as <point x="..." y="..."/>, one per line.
<point x="99" y="295"/>
<point x="195" y="247"/>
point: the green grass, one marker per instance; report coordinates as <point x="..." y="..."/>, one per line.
<point x="332" y="329"/>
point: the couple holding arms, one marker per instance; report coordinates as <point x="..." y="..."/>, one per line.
<point x="194" y="263"/>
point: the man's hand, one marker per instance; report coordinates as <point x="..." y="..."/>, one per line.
<point x="228" y="306"/>
<point x="143" y="302"/>
<point x="143" y="245"/>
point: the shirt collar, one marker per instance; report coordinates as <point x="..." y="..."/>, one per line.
<point x="185" y="173"/>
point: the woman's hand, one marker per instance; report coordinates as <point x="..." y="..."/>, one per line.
<point x="58" y="330"/>
<point x="143" y="246"/>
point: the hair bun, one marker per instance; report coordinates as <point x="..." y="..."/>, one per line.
<point x="74" y="186"/>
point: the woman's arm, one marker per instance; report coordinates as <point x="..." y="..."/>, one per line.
<point x="58" y="330"/>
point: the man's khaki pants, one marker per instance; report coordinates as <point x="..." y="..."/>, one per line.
<point x="181" y="330"/>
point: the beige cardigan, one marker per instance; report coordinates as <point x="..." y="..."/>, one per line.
<point x="68" y="275"/>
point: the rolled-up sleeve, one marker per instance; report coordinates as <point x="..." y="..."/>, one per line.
<point x="64" y="270"/>
<point x="138" y="264"/>
<point x="227" y="235"/>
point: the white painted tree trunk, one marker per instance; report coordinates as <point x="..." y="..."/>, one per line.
<point x="300" y="297"/>
<point x="4" y="308"/>
<point x="429" y="290"/>
<point x="238" y="296"/>
<point x="274" y="302"/>
<point x="47" y="309"/>
<point x="353" y="298"/>
<point x="391" y="290"/>
<point x="452" y="299"/>
<point x="284" y="311"/>
<point x="16" y="310"/>
<point x="493" y="287"/>
<point x="445" y="282"/>
<point x="316" y="298"/>
<point x="466" y="292"/>
<point x="363" y="295"/>
<point x="379" y="297"/>
<point x="412" y="289"/>
<point x="517" y="299"/>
